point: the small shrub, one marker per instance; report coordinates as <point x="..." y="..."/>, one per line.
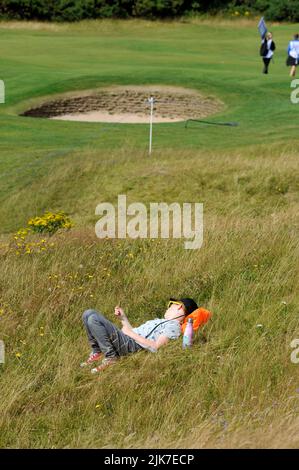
<point x="50" y="223"/>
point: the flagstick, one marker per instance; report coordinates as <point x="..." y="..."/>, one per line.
<point x="151" y="101"/>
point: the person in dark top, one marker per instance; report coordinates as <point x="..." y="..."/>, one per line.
<point x="267" y="50"/>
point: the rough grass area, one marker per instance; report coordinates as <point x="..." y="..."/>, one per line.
<point x="237" y="386"/>
<point x="237" y="377"/>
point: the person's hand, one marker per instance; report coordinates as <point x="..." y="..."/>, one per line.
<point x="118" y="311"/>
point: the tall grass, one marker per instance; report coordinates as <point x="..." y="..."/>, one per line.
<point x="237" y="385"/>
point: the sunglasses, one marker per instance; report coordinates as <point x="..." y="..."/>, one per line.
<point x="173" y="302"/>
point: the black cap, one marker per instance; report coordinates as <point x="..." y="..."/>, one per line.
<point x="189" y="304"/>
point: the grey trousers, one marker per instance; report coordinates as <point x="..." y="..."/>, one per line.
<point x="105" y="337"/>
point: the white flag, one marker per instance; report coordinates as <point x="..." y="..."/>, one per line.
<point x="262" y="27"/>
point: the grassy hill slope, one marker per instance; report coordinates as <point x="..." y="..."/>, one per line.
<point x="237" y="386"/>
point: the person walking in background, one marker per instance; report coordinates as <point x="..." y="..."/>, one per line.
<point x="267" y="50"/>
<point x="293" y="55"/>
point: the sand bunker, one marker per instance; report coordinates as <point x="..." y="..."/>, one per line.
<point x="128" y="105"/>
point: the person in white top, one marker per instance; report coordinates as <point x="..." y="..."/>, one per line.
<point x="267" y="50"/>
<point x="108" y="342"/>
<point x="293" y="55"/>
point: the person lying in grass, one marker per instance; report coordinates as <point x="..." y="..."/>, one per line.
<point x="108" y="342"/>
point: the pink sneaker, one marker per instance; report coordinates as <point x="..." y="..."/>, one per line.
<point x="105" y="363"/>
<point x="93" y="357"/>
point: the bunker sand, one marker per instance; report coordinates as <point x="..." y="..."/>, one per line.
<point x="129" y="105"/>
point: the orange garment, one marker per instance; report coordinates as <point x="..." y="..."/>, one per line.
<point x="200" y="317"/>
